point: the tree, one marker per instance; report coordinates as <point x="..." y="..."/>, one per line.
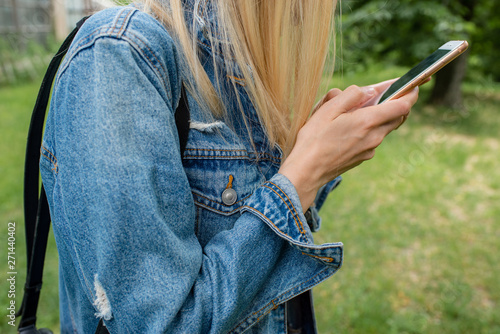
<point x="447" y="83"/>
<point x="485" y="40"/>
<point x="404" y="32"/>
<point x="447" y="87"/>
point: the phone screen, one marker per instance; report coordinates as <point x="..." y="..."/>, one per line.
<point x="414" y="72"/>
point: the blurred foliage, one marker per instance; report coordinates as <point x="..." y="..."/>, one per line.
<point x="486" y="39"/>
<point x="404" y="32"/>
<point x="27" y="61"/>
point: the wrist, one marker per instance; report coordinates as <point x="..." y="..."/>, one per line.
<point x="304" y="184"/>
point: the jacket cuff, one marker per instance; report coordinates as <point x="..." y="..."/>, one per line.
<point x="312" y="215"/>
<point x="277" y="203"/>
<point x="325" y="191"/>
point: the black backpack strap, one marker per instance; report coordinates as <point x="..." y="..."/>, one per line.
<point x="36" y="208"/>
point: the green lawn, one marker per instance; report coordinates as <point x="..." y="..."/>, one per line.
<point x="420" y="222"/>
<point x="420" y="225"/>
<point x="16" y="104"/>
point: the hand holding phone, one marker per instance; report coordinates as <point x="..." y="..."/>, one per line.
<point x="421" y="73"/>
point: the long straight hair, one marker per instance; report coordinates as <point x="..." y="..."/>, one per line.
<point x="280" y="47"/>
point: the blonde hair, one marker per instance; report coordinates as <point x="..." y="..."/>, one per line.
<point x="280" y="47"/>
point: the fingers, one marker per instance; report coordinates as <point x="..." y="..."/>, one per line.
<point x="408" y="99"/>
<point x="403" y="119"/>
<point x="391" y="112"/>
<point x="332" y="93"/>
<point x="382" y="86"/>
<point x="341" y="135"/>
<point x="351" y="98"/>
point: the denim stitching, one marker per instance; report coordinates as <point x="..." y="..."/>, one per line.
<point x="210" y="208"/>
<point x="255" y="313"/>
<point x="95" y="34"/>
<point x="277" y="298"/>
<point x="290" y="202"/>
<point x="312" y="278"/>
<point x="260" y="155"/>
<point x="215" y="150"/>
<point x="116" y="22"/>
<point x="140" y="51"/>
<point x="103" y="33"/>
<point x="195" y="193"/>
<point x="275" y="306"/>
<point x="136" y="47"/>
<point x="296" y="223"/>
<point x="264" y="216"/>
<point x="125" y="22"/>
<point x="52" y="160"/>
<point x="246" y="157"/>
<point x="322" y="258"/>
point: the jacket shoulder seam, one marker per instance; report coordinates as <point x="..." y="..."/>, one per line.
<point x="119" y="31"/>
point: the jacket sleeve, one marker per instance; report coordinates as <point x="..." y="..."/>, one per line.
<point x="123" y="209"/>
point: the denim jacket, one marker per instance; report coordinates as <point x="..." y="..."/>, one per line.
<point x="214" y="241"/>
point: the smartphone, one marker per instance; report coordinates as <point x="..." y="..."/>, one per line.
<point x="430" y="65"/>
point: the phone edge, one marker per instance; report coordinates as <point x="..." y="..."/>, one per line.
<point x="448" y="58"/>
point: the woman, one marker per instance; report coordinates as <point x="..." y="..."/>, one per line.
<point x="214" y="238"/>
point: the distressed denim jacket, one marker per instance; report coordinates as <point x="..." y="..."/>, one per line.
<point x="214" y="241"/>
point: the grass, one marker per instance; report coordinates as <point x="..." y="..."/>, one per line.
<point x="16" y="104"/>
<point x="420" y="222"/>
<point x="420" y="225"/>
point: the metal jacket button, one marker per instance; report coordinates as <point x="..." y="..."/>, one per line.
<point x="229" y="196"/>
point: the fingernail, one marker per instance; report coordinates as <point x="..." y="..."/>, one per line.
<point x="370" y="91"/>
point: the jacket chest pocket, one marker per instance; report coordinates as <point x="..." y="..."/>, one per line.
<point x="221" y="181"/>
